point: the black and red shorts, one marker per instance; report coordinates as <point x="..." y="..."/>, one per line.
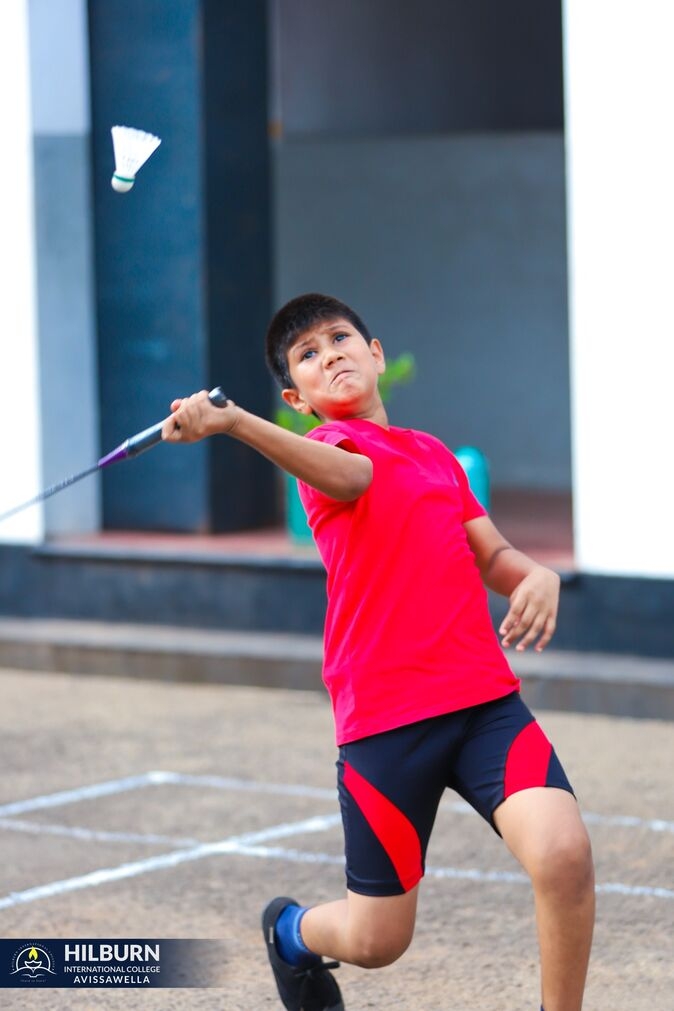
<point x="390" y="784"/>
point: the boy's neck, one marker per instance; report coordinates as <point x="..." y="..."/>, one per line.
<point x="377" y="416"/>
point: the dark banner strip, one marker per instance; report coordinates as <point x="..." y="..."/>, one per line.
<point x="111" y="963"/>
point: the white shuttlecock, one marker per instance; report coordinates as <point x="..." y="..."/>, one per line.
<point x="132" y="149"/>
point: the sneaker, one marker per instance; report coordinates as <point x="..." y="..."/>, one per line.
<point x="310" y="989"/>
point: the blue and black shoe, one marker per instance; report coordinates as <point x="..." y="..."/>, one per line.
<point x="301" y="989"/>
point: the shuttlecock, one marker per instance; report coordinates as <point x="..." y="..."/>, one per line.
<point x="132" y="149"/>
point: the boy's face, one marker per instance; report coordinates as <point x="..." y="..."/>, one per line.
<point x="335" y="372"/>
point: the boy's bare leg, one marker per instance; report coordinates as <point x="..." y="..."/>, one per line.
<point x="362" y="929"/>
<point x="543" y="829"/>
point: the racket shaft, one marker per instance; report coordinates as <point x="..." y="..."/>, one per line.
<point x="48" y="492"/>
<point x="131" y="447"/>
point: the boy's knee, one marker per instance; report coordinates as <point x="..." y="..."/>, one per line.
<point x="379" y="929"/>
<point x="565" y="864"/>
<point x="376" y="954"/>
<point x="374" y="951"/>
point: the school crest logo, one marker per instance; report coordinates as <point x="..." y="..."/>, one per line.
<point x="33" y="964"/>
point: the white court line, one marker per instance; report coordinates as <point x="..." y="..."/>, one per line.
<point x="130" y="870"/>
<point x="161" y="778"/>
<point x="452" y="873"/>
<point x="628" y="821"/>
<point x="447" y="873"/>
<point x="73" y="796"/>
<point x="242" y="785"/>
<point x="246" y="845"/>
<point x="457" y="806"/>
<point x="93" y="835"/>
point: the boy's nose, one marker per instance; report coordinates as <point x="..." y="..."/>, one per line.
<point x="332" y="354"/>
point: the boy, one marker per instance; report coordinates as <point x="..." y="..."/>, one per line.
<point x="422" y="695"/>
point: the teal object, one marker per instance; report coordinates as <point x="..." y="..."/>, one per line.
<point x="296" y="518"/>
<point x="476" y="467"/>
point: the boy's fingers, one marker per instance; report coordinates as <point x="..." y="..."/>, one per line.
<point x="548" y="632"/>
<point x="509" y="631"/>
<point x="511" y="619"/>
<point x="516" y="622"/>
<point x="532" y="632"/>
<point x="528" y="632"/>
<point x="170" y="430"/>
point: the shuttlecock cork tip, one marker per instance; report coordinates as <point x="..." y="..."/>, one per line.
<point x="121" y="184"/>
<point x="132" y="149"/>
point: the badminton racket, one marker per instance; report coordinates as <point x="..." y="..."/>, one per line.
<point x="133" y="446"/>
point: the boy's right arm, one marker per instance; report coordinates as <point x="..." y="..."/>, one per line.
<point x="337" y="473"/>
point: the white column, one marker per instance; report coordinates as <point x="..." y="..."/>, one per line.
<point x="619" y="81"/>
<point x="19" y="381"/>
<point x="59" y="58"/>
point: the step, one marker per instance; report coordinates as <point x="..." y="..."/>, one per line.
<point x="613" y="684"/>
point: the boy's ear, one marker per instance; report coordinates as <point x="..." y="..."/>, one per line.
<point x="378" y="355"/>
<point x="293" y="399"/>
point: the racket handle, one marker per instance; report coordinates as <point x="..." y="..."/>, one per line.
<point x="149" y="437"/>
<point x="218" y="397"/>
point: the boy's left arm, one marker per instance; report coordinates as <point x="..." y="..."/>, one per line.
<point x="533" y="589"/>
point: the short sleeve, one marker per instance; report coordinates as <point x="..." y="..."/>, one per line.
<point x="333" y="435"/>
<point x="472" y="508"/>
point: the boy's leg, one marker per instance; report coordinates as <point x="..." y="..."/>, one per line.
<point x="543" y="829"/>
<point x="361" y="929"/>
<point x="370" y="932"/>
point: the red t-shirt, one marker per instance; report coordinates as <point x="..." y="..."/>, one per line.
<point x="408" y="634"/>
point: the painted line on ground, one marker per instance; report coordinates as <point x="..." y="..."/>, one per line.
<point x="94" y="835"/>
<point x="457" y="806"/>
<point x="164" y="860"/>
<point x="165" y="778"/>
<point x="451" y="873"/>
<point x="248" y="845"/>
<point x="105" y="789"/>
<point x="158" y="777"/>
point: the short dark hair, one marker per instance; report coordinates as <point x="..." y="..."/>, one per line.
<point x="295" y="318"/>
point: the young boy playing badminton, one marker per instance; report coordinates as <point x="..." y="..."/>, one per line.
<point x="423" y="697"/>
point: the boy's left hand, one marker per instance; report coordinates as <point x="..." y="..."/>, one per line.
<point x="533" y="611"/>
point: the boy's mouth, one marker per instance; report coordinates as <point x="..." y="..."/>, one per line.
<point x="340" y="375"/>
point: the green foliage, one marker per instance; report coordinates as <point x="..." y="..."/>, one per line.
<point x="399" y="371"/>
<point x="293" y="421"/>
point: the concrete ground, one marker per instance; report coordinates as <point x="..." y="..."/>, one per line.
<point x="95" y="846"/>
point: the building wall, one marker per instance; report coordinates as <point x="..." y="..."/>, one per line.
<point x="452" y="247"/>
<point x="393" y="66"/>
<point x="419" y="173"/>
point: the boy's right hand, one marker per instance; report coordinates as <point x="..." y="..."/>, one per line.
<point x="196" y="417"/>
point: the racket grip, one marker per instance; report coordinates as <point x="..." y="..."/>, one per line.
<point x="150" y="437"/>
<point x="218" y="397"/>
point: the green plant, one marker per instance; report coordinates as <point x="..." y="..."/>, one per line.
<point x="399" y="371"/>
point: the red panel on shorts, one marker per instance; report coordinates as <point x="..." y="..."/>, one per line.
<point x="528" y="760"/>
<point x="392" y="828"/>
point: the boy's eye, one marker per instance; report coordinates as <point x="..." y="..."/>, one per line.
<point x="308" y="353"/>
<point x="341" y="336"/>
